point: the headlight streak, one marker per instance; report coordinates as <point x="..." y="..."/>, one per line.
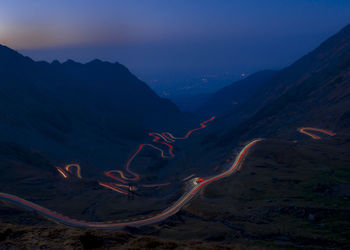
<point x="77" y="166"/>
<point x="313" y="136"/>
<point x="61" y="171"/>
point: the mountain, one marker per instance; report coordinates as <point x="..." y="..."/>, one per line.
<point x="285" y="182"/>
<point x="190" y="102"/>
<point x="313" y="91"/>
<point x="66" y="108"/>
<point x="238" y="92"/>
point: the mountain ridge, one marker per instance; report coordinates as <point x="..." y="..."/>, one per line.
<point x="313" y="91"/>
<point x="62" y="108"/>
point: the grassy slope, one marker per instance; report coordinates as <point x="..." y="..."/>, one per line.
<point x="288" y="194"/>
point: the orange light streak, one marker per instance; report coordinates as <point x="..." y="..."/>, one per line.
<point x="313" y="136"/>
<point x="109" y="186"/>
<point x="77" y="166"/>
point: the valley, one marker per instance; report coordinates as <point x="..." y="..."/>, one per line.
<point x="92" y="158"/>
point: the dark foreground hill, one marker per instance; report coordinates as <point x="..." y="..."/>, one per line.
<point x="287" y="195"/>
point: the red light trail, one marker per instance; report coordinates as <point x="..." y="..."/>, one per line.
<point x="61" y="171"/>
<point x="171" y="137"/>
<point x="166" y="138"/>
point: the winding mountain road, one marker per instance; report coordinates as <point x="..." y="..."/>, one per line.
<point x="124" y="184"/>
<point x="164" y="139"/>
<point x="196" y="184"/>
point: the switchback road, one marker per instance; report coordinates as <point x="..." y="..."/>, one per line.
<point x="196" y="184"/>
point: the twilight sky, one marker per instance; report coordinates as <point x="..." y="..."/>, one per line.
<point x="160" y="39"/>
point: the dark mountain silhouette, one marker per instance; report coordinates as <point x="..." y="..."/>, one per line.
<point x="190" y="103"/>
<point x="237" y="93"/>
<point x="66" y="107"/>
<point x="313" y="91"/>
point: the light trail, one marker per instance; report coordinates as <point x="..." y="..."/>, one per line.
<point x="188" y="177"/>
<point x="171" y="137"/>
<point x="313" y="136"/>
<point x="61" y="171"/>
<point x="156" y="139"/>
<point x="139" y="221"/>
<point x="161" y="138"/>
<point x="121" y="185"/>
<point x="77" y="166"/>
<point x="124" y="179"/>
<point x="156" y="185"/>
<point x="167" y="139"/>
<point x="112" y="187"/>
<point x="161" y="151"/>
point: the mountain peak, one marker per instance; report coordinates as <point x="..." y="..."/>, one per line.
<point x="4" y="47"/>
<point x="95" y="61"/>
<point x="9" y="57"/>
<point x="4" y="50"/>
<point x="70" y="61"/>
<point x="55" y="62"/>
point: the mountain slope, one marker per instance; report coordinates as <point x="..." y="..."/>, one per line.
<point x="314" y="91"/>
<point x="71" y="108"/>
<point x="237" y="93"/>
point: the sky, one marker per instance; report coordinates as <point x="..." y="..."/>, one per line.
<point x="168" y="42"/>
